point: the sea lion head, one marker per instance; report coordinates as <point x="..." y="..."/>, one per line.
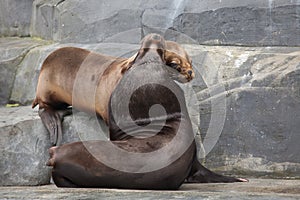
<point x="169" y="52"/>
<point x="177" y="58"/>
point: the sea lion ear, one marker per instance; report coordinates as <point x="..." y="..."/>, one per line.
<point x="130" y="61"/>
<point x="161" y="53"/>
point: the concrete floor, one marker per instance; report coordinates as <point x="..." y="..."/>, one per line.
<point x="256" y="189"/>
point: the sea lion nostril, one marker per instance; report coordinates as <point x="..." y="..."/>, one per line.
<point x="156" y="37"/>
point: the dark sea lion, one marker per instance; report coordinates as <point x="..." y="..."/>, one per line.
<point x="75" y="166"/>
<point x="99" y="74"/>
<point x="166" y="133"/>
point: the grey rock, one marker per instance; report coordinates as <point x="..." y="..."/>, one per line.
<point x="15" y="17"/>
<point x="251" y="25"/>
<point x="201" y="6"/>
<point x="24" y="143"/>
<point x="12" y="52"/>
<point x="256" y="189"/>
<point x="257" y="93"/>
<point x="96" y="21"/>
<point x="7" y="76"/>
<point x="232" y="22"/>
<point x="83" y="127"/>
<point x="247" y="98"/>
<point x="23" y="150"/>
<point x="259" y="134"/>
<point x="24" y="86"/>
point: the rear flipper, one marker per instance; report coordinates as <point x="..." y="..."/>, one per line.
<point x="52" y="119"/>
<point x="200" y="174"/>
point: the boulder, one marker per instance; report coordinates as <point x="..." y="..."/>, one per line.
<point x="12" y="52"/>
<point x="245" y="99"/>
<point x="24" y="143"/>
<point x="213" y="22"/>
<point x="249" y="109"/>
<point x="87" y="22"/>
<point x="233" y="22"/>
<point x="23" y="150"/>
<point x="15" y="17"/>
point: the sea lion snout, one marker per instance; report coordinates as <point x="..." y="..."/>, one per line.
<point x="153" y="41"/>
<point x="156" y="37"/>
<point x="153" y="45"/>
<point x="191" y="75"/>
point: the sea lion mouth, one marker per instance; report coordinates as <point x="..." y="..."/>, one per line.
<point x="190" y="75"/>
<point x="183" y="74"/>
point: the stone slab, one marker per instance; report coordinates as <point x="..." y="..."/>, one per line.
<point x="246" y="25"/>
<point x="227" y="22"/>
<point x="24" y="144"/>
<point x="15" y="17"/>
<point x="245" y="96"/>
<point x="249" y="98"/>
<point x="81" y="22"/>
<point x="256" y="189"/>
<point x="23" y="148"/>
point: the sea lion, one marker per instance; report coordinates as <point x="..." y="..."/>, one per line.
<point x="95" y="76"/>
<point x="141" y="133"/>
<point x="72" y="170"/>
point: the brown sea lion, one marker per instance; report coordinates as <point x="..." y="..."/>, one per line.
<point x="95" y="76"/>
<point x="150" y="84"/>
<point x="75" y="166"/>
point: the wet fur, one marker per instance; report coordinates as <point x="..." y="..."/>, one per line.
<point x="72" y="170"/>
<point x="85" y="80"/>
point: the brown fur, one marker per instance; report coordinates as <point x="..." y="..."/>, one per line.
<point x="91" y="74"/>
<point x="74" y="165"/>
<point x="97" y="71"/>
<point x="176" y="54"/>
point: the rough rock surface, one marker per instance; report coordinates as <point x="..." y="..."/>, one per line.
<point x="250" y="107"/>
<point x="15" y="17"/>
<point x="256" y="189"/>
<point x="230" y="22"/>
<point x="247" y="98"/>
<point x="12" y="52"/>
<point x="83" y="22"/>
<point x="24" y="145"/>
<point x="252" y="23"/>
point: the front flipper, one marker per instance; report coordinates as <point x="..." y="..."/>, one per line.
<point x="200" y="174"/>
<point x="52" y="119"/>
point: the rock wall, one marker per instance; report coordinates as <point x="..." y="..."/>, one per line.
<point x="213" y="22"/>
<point x="246" y="98"/>
<point x="12" y="53"/>
<point x="15" y="17"/>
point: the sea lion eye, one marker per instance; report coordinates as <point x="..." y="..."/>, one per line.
<point x="173" y="65"/>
